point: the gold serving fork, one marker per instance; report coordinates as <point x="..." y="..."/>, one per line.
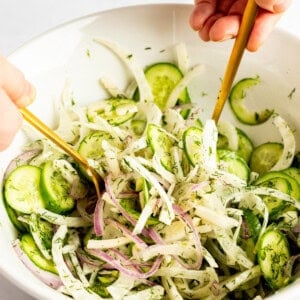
<point x="52" y="136"/>
<point x="235" y="57"/>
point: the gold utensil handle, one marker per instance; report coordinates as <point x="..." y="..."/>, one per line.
<point x="235" y="57"/>
<point x="51" y="135"/>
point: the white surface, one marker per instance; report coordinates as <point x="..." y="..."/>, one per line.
<point x="22" y="20"/>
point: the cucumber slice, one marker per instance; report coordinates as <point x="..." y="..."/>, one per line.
<point x="22" y="191"/>
<point x="138" y="126"/>
<point x="100" y="290"/>
<point x="142" y="186"/>
<point x="192" y="143"/>
<point x="129" y="205"/>
<point x="293" y="172"/>
<point x="276" y="205"/>
<point x="43" y="230"/>
<point x="55" y="190"/>
<point x="108" y="278"/>
<point x="250" y="234"/>
<point x="245" y="145"/>
<point x="234" y="164"/>
<point x="236" y="99"/>
<point x="91" y="145"/>
<point x="91" y="148"/>
<point x="13" y="216"/>
<point x="295" y="188"/>
<point x="273" y="255"/>
<point x="160" y="144"/>
<point x="163" y="77"/>
<point x="253" y="224"/>
<point x="265" y="156"/>
<point x="115" y="111"/>
<point x="32" y="251"/>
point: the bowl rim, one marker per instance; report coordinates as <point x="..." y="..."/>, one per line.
<point x="4" y="269"/>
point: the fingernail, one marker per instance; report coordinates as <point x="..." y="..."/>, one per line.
<point x="29" y="96"/>
<point x="227" y="37"/>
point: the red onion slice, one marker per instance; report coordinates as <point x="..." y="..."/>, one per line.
<point x="128" y="234"/>
<point x="124" y="269"/>
<point x="187" y="219"/>
<point x="98" y="217"/>
<point x="48" y="278"/>
<point x="21" y="159"/>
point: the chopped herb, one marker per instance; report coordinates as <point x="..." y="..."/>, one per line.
<point x="291" y="94"/>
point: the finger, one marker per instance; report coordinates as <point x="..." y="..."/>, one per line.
<point x="225" y="28"/>
<point x="205" y="32"/>
<point x="19" y="90"/>
<point x="11" y="120"/>
<point x="263" y="26"/>
<point x="275" y="6"/>
<point x="203" y="10"/>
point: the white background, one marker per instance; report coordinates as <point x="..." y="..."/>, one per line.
<point x="22" y="20"/>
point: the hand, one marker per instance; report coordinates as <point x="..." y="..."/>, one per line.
<point x="219" y="20"/>
<point x="15" y="92"/>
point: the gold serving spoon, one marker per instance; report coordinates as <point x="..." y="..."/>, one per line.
<point x="52" y="136"/>
<point x="235" y="57"/>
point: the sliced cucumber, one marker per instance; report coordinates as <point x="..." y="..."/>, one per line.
<point x="236" y="100"/>
<point x="91" y="148"/>
<point x="265" y="156"/>
<point x="31" y="250"/>
<point x="253" y="224"/>
<point x="163" y="77"/>
<point x="245" y="145"/>
<point x="250" y="233"/>
<point x="13" y="216"/>
<point x="100" y="290"/>
<point x="43" y="231"/>
<point x="115" y="111"/>
<point x="22" y="191"/>
<point x="108" y="278"/>
<point x="104" y="280"/>
<point x="295" y="189"/>
<point x="129" y="205"/>
<point x="142" y="186"/>
<point x="138" y="126"/>
<point x="273" y="255"/>
<point x="192" y="143"/>
<point x="91" y="145"/>
<point x="55" y="190"/>
<point x="276" y="205"/>
<point x="234" y="164"/>
<point x="160" y="144"/>
<point x="293" y="172"/>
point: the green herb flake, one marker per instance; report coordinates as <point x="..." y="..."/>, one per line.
<point x="291" y="94"/>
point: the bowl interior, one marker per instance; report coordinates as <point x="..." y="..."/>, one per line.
<point x="68" y="59"/>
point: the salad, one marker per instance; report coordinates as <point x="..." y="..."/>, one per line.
<point x="189" y="209"/>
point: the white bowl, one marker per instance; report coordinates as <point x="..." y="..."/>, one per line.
<point x="61" y="54"/>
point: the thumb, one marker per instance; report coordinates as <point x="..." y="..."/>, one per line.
<point x="275" y="6"/>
